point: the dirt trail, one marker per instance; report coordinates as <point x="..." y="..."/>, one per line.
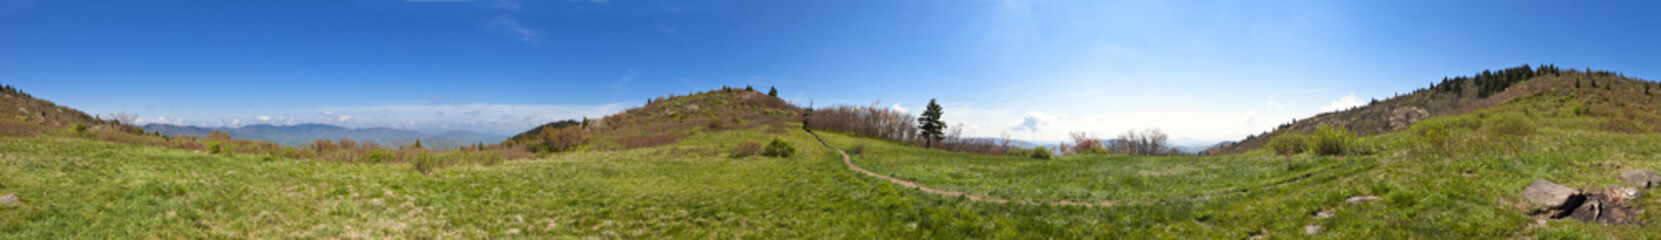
<point x="848" y="160"/>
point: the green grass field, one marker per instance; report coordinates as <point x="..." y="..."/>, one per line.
<point x="76" y="187"/>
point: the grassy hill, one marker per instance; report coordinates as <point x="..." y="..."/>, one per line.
<point x="1450" y="176"/>
<point x="1627" y="99"/>
<point x="664" y="120"/>
<point x="23" y="114"/>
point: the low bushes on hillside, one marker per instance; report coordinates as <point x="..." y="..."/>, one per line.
<point x="1040" y="153"/>
<point x="1330" y="140"/>
<point x="778" y="148"/>
<point x="746" y="149"/>
<point x="1287" y="144"/>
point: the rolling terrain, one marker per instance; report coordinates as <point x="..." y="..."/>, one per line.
<point x="673" y="169"/>
<point x="302" y="134"/>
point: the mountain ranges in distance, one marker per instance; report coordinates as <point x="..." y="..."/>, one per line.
<point x="302" y="134"/>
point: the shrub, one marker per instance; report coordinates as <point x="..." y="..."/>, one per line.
<point x="426" y="163"/>
<point x="378" y="156"/>
<point x="79" y="128"/>
<point x="746" y="149"/>
<point x="1289" y="143"/>
<point x="1041" y="153"/>
<point x="213" y="148"/>
<point x="1509" y="124"/>
<point x="778" y="148"/>
<point x="1329" y="140"/>
<point x="857" y="149"/>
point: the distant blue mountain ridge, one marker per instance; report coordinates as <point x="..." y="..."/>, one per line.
<point x="302" y="134"/>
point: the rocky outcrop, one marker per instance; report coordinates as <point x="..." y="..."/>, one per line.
<point x="1642" y="178"/>
<point x="1549" y="194"/>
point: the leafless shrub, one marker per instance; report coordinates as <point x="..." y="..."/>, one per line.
<point x="746" y="149"/>
<point x="1083" y="143"/>
<point x="884" y="123"/>
<point x="1146" y="142"/>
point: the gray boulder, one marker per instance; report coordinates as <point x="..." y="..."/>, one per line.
<point x="1642" y="178"/>
<point x="10" y="200"/>
<point x="1548" y="193"/>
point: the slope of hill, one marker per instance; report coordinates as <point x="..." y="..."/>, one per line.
<point x="298" y="135"/>
<point x="1459" y="95"/>
<point x="664" y="120"/>
<point x="23" y="114"/>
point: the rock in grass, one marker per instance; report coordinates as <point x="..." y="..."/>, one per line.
<point x="1601" y="208"/>
<point x="1313" y="229"/>
<point x="1548" y="193"/>
<point x="10" y="200"/>
<point x="1642" y="178"/>
<point x="1624" y="192"/>
<point x="1362" y="199"/>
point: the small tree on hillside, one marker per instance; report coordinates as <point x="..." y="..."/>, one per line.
<point x="933" y="128"/>
<point x="418" y="144"/>
<point x="772" y="91"/>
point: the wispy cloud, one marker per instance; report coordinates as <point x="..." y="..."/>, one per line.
<point x="507" y="23"/>
<point x="625" y="80"/>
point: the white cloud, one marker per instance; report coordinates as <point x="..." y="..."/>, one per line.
<point x="902" y="109"/>
<point x="1348" y="101"/>
<point x="263" y="118"/>
<point x="343" y="118"/>
<point x="1034" y="122"/>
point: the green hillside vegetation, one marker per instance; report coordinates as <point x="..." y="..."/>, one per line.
<point x="663" y="120"/>
<point x="1449" y="176"/>
<point x="1461" y="95"/>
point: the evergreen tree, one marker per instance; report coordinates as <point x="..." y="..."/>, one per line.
<point x="747" y="88"/>
<point x="418" y="144"/>
<point x="773" y="91"/>
<point x="933" y="128"/>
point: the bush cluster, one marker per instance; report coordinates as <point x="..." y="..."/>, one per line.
<point x="1040" y="152"/>
<point x="1288" y="144"/>
<point x="1329" y="140"/>
<point x="778" y="148"/>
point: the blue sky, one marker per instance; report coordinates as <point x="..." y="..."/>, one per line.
<point x="1203" y="71"/>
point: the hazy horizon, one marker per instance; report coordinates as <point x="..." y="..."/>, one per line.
<point x="1201" y="71"/>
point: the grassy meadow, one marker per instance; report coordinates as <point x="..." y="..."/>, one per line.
<point x="1452" y="177"/>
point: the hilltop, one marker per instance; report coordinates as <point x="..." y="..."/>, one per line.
<point x="664" y="120"/>
<point x="1627" y="101"/>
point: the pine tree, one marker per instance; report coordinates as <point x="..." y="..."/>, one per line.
<point x="933" y="128"/>
<point x="747" y="88"/>
<point x="772" y="91"/>
<point x="418" y="144"/>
